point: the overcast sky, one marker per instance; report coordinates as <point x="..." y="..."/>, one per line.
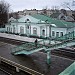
<point x="17" y="5"/>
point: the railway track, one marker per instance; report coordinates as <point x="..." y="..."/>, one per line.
<point x="68" y="53"/>
<point x="12" y="41"/>
<point x="10" y="70"/>
<point x="4" y="72"/>
<point x="23" y="70"/>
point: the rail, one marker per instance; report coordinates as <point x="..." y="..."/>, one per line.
<point x="21" y="67"/>
<point x="5" y="71"/>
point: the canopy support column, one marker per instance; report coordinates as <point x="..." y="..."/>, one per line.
<point x="48" y="57"/>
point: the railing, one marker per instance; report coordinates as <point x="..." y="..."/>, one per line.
<point x="66" y="36"/>
<point x="26" y="47"/>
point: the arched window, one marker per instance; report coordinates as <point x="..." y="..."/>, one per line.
<point x="7" y="29"/>
<point x="34" y="31"/>
<point x="27" y="21"/>
<point x="43" y="32"/>
<point x="27" y="27"/>
<point x="14" y="29"/>
<point x="11" y="30"/>
<point x="22" y="30"/>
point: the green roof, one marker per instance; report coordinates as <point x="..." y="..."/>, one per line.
<point x="58" y="23"/>
<point x="70" y="70"/>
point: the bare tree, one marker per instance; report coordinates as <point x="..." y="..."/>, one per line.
<point x="69" y="5"/>
<point x="55" y="9"/>
<point x="4" y="10"/>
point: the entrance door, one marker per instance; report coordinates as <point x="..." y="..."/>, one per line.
<point x="27" y="29"/>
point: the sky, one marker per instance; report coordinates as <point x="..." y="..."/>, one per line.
<point x="18" y="5"/>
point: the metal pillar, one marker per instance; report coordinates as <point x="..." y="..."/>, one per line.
<point x="48" y="57"/>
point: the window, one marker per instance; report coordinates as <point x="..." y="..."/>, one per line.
<point x="11" y="29"/>
<point x="53" y="33"/>
<point x="57" y="34"/>
<point x="29" y="13"/>
<point x="61" y="33"/>
<point x="35" y="31"/>
<point x="27" y="19"/>
<point x="14" y="29"/>
<point x="22" y="30"/>
<point x="27" y="27"/>
<point x="43" y="32"/>
<point x="69" y="32"/>
<point x="7" y="28"/>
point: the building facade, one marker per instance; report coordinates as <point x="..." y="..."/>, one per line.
<point x="39" y="25"/>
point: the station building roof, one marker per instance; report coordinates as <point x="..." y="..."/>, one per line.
<point x="38" y="18"/>
<point x="58" y="23"/>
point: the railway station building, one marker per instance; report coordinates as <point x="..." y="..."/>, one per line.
<point x="39" y="25"/>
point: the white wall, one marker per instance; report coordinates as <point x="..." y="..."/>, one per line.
<point x="47" y="31"/>
<point x="39" y="29"/>
<point x="32" y="19"/>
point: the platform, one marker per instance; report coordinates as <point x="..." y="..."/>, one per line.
<point x="17" y="37"/>
<point x="36" y="61"/>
